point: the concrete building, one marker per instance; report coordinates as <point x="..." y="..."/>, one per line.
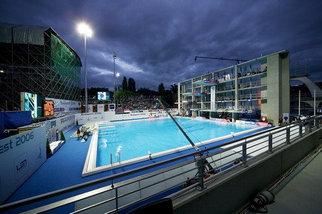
<point x="252" y="89"/>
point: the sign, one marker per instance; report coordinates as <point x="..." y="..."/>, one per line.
<point x="111" y="107"/>
<point x="64" y="107"/>
<point x="21" y="155"/>
<point x="55" y="125"/>
<point x="100" y="107"/>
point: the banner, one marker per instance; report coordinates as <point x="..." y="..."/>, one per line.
<point x="54" y="126"/>
<point x="91" y="117"/>
<point x="64" y="107"/>
<point x="20" y="156"/>
<point x="100" y="107"/>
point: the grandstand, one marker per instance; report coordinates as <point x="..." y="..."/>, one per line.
<point x="140" y="102"/>
<point x="36" y="59"/>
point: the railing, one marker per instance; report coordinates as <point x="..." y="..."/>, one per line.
<point x="178" y="174"/>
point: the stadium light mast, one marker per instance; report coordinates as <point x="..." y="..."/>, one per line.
<point x="114" y="57"/>
<point x="117" y="76"/>
<point x="86" y="31"/>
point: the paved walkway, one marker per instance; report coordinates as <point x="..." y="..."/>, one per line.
<point x="303" y="194"/>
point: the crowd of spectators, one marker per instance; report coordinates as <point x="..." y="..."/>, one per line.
<point x="141" y="102"/>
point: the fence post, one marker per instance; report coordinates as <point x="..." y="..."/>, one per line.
<point x="310" y="126"/>
<point x="201" y="170"/>
<point x="270" y="143"/>
<point x="301" y="128"/>
<point x="245" y="154"/>
<point x="116" y="201"/>
<point x="288" y="135"/>
<point x="111" y="159"/>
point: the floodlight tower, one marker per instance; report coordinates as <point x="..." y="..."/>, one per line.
<point x="86" y="31"/>
<point x="114" y="57"/>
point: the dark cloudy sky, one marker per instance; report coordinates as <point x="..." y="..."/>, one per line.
<point x="156" y="40"/>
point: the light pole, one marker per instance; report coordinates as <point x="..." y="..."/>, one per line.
<point x="114" y="57"/>
<point x="85" y="30"/>
<point x="117" y="82"/>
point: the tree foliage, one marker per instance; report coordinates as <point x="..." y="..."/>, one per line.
<point x="161" y="89"/>
<point x="131" y="85"/>
<point x="124" y="84"/>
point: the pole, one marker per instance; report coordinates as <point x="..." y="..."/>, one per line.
<point x="314" y="102"/>
<point x="85" y="71"/>
<point x="183" y="132"/>
<point x="114" y="74"/>
<point x="299" y="102"/>
<point x="114" y="57"/>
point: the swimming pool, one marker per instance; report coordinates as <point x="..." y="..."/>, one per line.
<point x="129" y="140"/>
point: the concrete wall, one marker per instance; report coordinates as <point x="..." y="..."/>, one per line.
<point x="229" y="194"/>
<point x="278" y="87"/>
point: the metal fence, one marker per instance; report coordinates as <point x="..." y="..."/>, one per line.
<point x="160" y="179"/>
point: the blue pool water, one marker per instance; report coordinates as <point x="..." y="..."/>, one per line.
<point x="136" y="139"/>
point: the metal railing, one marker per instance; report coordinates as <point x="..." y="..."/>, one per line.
<point x="180" y="173"/>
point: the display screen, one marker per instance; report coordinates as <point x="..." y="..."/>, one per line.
<point x="103" y="95"/>
<point x="31" y="102"/>
<point x="49" y="108"/>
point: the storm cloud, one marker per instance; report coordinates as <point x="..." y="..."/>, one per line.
<point x="156" y="41"/>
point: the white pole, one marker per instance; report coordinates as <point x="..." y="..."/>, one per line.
<point x="299" y="102"/>
<point x="86" y="95"/>
<point x="314" y="102"/>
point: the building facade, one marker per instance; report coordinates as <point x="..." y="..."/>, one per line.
<point x="37" y="60"/>
<point x="256" y="88"/>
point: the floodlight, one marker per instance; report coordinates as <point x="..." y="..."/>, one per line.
<point x="84" y="29"/>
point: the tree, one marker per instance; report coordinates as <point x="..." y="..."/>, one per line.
<point x="131" y="85"/>
<point x="174" y="89"/>
<point x="161" y="89"/>
<point x="146" y="91"/>
<point x="124" y="84"/>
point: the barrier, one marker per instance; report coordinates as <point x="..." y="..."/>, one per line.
<point x="111" y="116"/>
<point x="12" y="120"/>
<point x="92" y="117"/>
<point x="54" y="126"/>
<point x="20" y="156"/>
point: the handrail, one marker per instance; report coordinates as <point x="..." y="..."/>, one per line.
<point x="60" y="192"/>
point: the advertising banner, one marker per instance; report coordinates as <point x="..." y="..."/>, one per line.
<point x="54" y="126"/>
<point x="111" y="107"/>
<point x="90" y="108"/>
<point x="91" y="117"/>
<point x="100" y="107"/>
<point x="64" y="107"/>
<point x="20" y="156"/>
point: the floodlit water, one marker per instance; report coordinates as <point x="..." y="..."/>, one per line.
<point x="135" y="139"/>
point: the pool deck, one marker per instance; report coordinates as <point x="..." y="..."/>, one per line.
<point x="65" y="167"/>
<point x="303" y="193"/>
